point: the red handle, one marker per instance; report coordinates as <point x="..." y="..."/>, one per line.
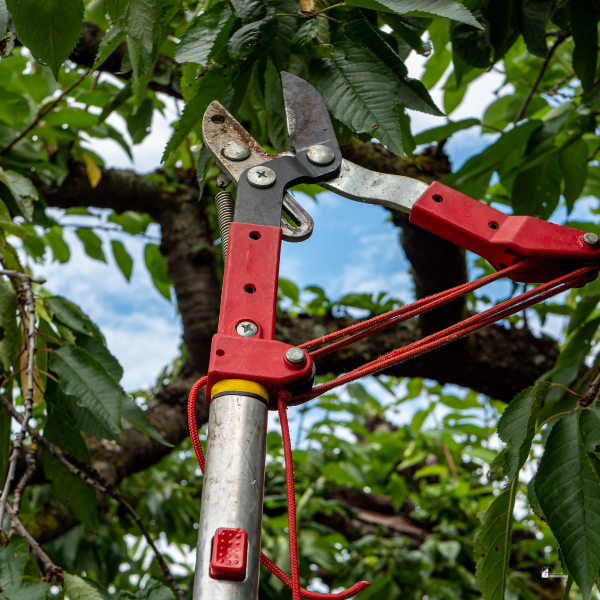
<point x="502" y="240"/>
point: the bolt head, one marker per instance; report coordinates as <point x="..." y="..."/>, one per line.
<point x="591" y="239"/>
<point x="296" y="356"/>
<point x="247" y="329"/>
<point x="320" y="155"/>
<point x="235" y="151"/>
<point x="261" y="177"/>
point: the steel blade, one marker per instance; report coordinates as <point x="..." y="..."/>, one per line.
<point x="308" y="121"/>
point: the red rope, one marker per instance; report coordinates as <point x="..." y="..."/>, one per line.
<point x="294" y="582"/>
<point x="360" y="331"/>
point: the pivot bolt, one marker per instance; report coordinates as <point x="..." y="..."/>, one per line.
<point x="235" y="151"/>
<point x="320" y="155"/>
<point x="591" y="239"/>
<point x="247" y="329"/>
<point x="261" y="177"/>
<point x="296" y="356"/>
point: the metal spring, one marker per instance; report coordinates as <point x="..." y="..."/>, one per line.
<point x="224" y="203"/>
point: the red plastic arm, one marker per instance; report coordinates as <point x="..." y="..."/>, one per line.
<point x="501" y="239"/>
<point x="250" y="294"/>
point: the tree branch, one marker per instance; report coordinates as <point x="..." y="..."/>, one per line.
<point x="559" y="40"/>
<point x="28" y="397"/>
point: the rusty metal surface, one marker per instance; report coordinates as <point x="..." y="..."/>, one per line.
<point x="219" y="135"/>
<point x="307" y="117"/>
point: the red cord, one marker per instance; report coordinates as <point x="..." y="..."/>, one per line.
<point x="364" y="329"/>
<point x="289" y="468"/>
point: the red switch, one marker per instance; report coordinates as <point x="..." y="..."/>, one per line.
<point x="229" y="554"/>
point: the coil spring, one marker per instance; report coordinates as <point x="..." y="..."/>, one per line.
<point x="224" y="203"/>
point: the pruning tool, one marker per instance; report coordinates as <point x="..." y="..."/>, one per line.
<point x="247" y="364"/>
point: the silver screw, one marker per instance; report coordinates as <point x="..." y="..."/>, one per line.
<point x="320" y="155"/>
<point x="296" y="356"/>
<point x="247" y="329"/>
<point x="261" y="177"/>
<point x="235" y="151"/>
<point x="591" y="239"/>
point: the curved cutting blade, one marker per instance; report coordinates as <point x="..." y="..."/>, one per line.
<point x="308" y="121"/>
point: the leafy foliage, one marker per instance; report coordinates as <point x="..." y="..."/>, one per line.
<point x="436" y="471"/>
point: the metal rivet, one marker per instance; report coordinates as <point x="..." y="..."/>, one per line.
<point x="261" y="177"/>
<point x="296" y="356"/>
<point x="591" y="239"/>
<point x="247" y="329"/>
<point x="235" y="151"/>
<point x="320" y="155"/>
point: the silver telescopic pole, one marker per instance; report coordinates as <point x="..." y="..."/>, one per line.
<point x="232" y="493"/>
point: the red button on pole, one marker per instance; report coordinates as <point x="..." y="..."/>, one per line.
<point x="229" y="550"/>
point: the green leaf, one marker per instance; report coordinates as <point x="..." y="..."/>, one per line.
<point x="213" y="85"/>
<point x="77" y="588"/>
<point x="289" y="289"/>
<point x="534" y="15"/>
<point x="69" y="314"/>
<point x="573" y="164"/>
<point x="5" y="447"/>
<point x="139" y="19"/>
<point x="11" y="340"/>
<point x="442" y="8"/>
<point x="493" y="543"/>
<point x="138" y="418"/>
<point x="112" y="39"/>
<point x="516" y="426"/>
<point x="204" y="163"/>
<point x="49" y="28"/>
<point x="534" y="500"/>
<point x="485" y="161"/>
<point x="4" y="17"/>
<point x="140" y="121"/>
<point x="116" y="101"/>
<point x="78" y="497"/>
<point x="536" y="191"/>
<point x="92" y="244"/>
<point x="93" y="393"/>
<point x="122" y="258"/>
<point x="15" y="581"/>
<point x="95" y="344"/>
<point x="254" y="37"/>
<point x="60" y="249"/>
<point x="154" y="590"/>
<point x="471" y="45"/>
<point x="414" y="95"/>
<point x="157" y="267"/>
<point x="569" y="495"/>
<point x="444" y="131"/>
<point x="360" y="92"/>
<point x="378" y="42"/>
<point x="22" y="190"/>
<point x="584" y="25"/>
<point x="276" y="123"/>
<point x="583" y="310"/>
<point x="206" y="35"/>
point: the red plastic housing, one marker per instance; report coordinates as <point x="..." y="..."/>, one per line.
<point x="250" y="294"/>
<point x="501" y="239"/>
<point x="228" y="561"/>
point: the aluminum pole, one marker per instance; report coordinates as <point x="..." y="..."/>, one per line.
<point x="232" y="493"/>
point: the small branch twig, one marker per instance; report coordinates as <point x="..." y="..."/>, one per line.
<point x="18" y="493"/>
<point x="28" y="397"/>
<point x="564" y="387"/>
<point x="450" y="461"/>
<point x="42" y="113"/>
<point x="560" y="414"/>
<point x="592" y="391"/>
<point x="559" y="40"/>
<point x="52" y="571"/>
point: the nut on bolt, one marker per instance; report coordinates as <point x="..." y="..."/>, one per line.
<point x="261" y="177"/>
<point x="235" y="151"/>
<point x="591" y="239"/>
<point x="296" y="356"/>
<point x="247" y="329"/>
<point x="320" y="155"/>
